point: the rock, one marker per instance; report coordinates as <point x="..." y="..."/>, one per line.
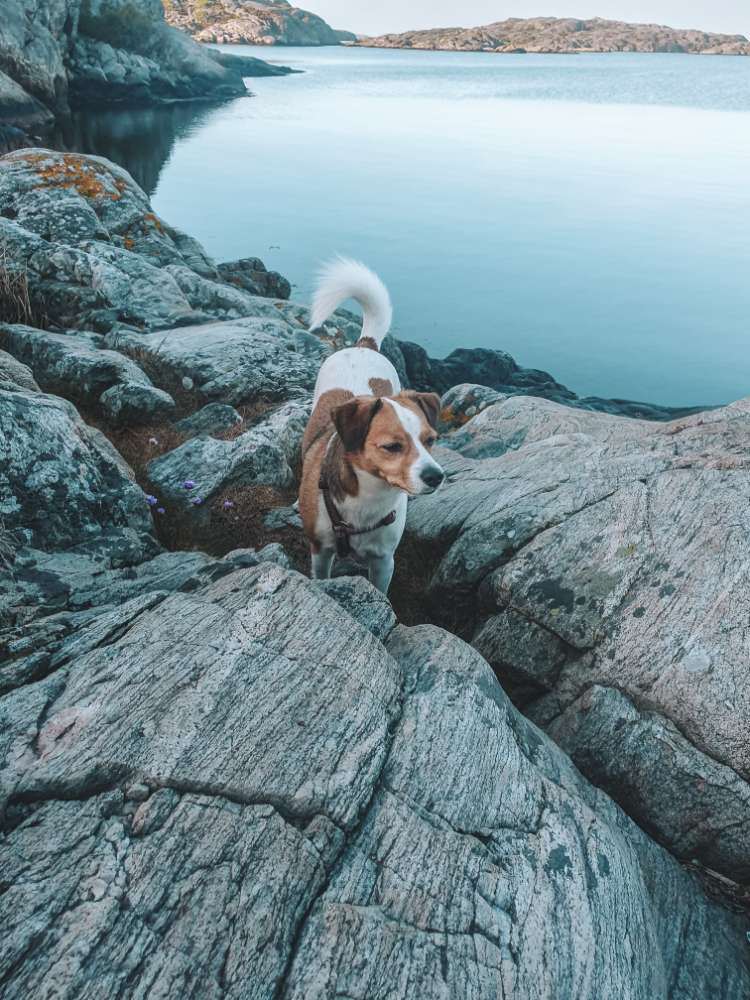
<point x="281" y="518"/>
<point x="463" y="402"/>
<point x="233" y="362"/>
<point x="497" y="370"/>
<point x="219" y="300"/>
<point x="251" y="275"/>
<point x="211" y="419"/>
<point x="95" y="256"/>
<point x="364" y="603"/>
<point x="248" y="66"/>
<point x="57" y="485"/>
<point x="14" y="375"/>
<point x="267" y="454"/>
<point x="597" y="547"/>
<point x="565" y="34"/>
<point x="131" y="404"/>
<point x="250" y="22"/>
<point x="351" y="819"/>
<point x="69" y="366"/>
<point x="76" y="53"/>
<point x="19" y="108"/>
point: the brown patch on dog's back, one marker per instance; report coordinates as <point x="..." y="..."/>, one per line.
<point x="369" y="343"/>
<point x="380" y="387"/>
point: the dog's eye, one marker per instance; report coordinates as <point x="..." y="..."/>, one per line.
<point x="430" y="442"/>
<point x="394" y="448"/>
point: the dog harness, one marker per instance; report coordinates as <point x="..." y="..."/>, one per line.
<point x="342" y="530"/>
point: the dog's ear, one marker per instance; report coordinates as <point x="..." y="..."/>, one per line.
<point x="352" y="421"/>
<point x="429" y="404"/>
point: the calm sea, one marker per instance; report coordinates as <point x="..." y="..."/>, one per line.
<point x="588" y="214"/>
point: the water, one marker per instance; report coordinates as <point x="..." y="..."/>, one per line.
<point x="587" y="214"/>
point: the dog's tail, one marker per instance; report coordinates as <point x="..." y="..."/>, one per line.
<point x="343" y="279"/>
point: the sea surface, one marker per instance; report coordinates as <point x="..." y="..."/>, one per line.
<point x="588" y="214"/>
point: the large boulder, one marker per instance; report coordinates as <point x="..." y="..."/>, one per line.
<point x="59" y="485"/>
<point x="238" y="790"/>
<point x="609" y="557"/>
<point x="232" y="362"/>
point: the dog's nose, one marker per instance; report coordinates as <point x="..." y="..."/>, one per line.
<point x="432" y="476"/>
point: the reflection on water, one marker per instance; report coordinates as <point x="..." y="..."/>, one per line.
<point x="586" y="214"/>
<point x="141" y="140"/>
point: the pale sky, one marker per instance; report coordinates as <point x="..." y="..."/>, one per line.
<point x="366" y="17"/>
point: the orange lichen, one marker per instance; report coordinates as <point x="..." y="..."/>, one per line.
<point x="71" y="171"/>
<point x="155" y="221"/>
<point x="128" y="242"/>
<point x="449" y="416"/>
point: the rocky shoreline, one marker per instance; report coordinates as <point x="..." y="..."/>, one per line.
<point x="252" y="22"/>
<point x="214" y="772"/>
<point x="568" y="36"/>
<point x="67" y="54"/>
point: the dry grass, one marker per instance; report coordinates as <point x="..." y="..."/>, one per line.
<point x="211" y="528"/>
<point x="6" y="548"/>
<point x="15" y="299"/>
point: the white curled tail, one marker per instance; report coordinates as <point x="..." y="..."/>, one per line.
<point x="343" y="279"/>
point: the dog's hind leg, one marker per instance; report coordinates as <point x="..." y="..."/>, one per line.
<point x="322" y="563"/>
<point x="381" y="572"/>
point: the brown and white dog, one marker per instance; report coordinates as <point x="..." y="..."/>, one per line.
<point x="367" y="445"/>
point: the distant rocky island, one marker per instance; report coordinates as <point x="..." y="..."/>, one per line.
<point x="568" y="35"/>
<point x="251" y="22"/>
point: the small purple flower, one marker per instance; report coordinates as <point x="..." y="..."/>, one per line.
<point x="196" y="501"/>
<point x="228" y="505"/>
<point x="151" y="500"/>
<point x="188" y="485"/>
<point x="160" y="510"/>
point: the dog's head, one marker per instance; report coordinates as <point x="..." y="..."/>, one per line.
<point x="392" y="437"/>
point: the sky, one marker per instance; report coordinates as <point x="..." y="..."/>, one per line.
<point x="366" y="17"/>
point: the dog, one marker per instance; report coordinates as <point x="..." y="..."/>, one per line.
<point x="367" y="445"/>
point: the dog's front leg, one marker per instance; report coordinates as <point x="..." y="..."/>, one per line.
<point x="381" y="571"/>
<point x="322" y="563"/>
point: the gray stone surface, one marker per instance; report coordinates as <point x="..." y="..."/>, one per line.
<point x="14" y="374"/>
<point x="58" y="486"/>
<point x="210" y="419"/>
<point x="267" y="454"/>
<point x="612" y="552"/>
<point x="239" y="791"/>
<point x="259" y="357"/>
<point x="220" y="779"/>
<point x="129" y="404"/>
<point x="80" y="369"/>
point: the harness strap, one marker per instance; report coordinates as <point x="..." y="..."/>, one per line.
<point x="342" y="530"/>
